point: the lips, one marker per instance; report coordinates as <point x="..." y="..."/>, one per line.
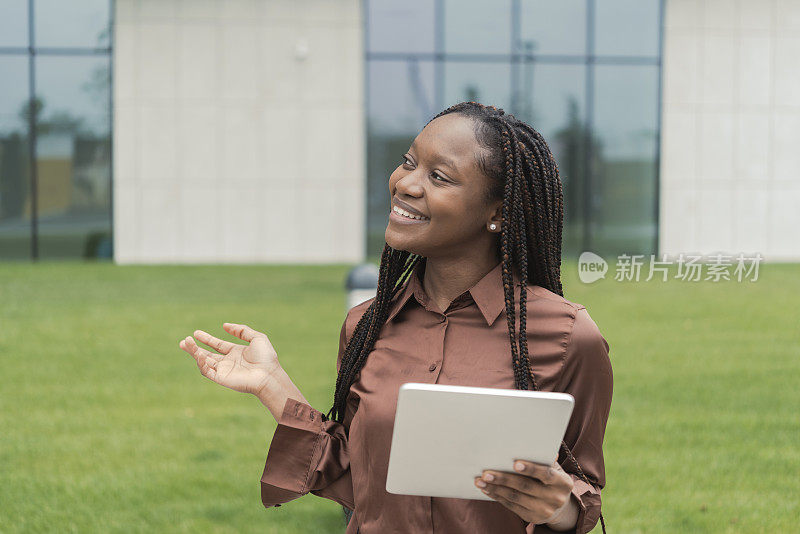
<point x="404" y="216"/>
<point x="406" y="207"/>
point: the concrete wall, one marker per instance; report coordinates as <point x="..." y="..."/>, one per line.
<point x="730" y="160"/>
<point x="238" y="131"/>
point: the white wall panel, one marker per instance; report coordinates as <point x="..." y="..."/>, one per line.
<point x="230" y="143"/>
<point x="730" y="166"/>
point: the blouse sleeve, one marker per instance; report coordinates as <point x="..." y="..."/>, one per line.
<point x="308" y="454"/>
<point x="587" y="376"/>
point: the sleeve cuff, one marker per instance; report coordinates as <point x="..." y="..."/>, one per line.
<point x="340" y="491"/>
<point x="588" y="498"/>
<point x="294" y="449"/>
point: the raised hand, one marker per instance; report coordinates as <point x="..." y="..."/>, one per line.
<point x="246" y="368"/>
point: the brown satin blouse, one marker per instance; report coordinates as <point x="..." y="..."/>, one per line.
<point x="467" y="345"/>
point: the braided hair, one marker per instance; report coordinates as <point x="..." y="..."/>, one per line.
<point x="522" y="171"/>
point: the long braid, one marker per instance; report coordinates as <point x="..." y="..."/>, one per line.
<point x="545" y="233"/>
<point x="522" y="255"/>
<point x="506" y="239"/>
<point x="525" y="175"/>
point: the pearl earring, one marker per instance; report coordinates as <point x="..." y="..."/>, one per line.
<point x="493" y="226"/>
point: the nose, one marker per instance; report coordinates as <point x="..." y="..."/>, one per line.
<point x="409" y="185"/>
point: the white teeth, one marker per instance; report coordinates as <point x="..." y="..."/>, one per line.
<point x="404" y="213"/>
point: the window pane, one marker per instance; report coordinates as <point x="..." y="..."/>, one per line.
<point x="406" y="27"/>
<point x="401" y="96"/>
<point x="401" y="102"/>
<point x="553" y="27"/>
<point x="14" y="23"/>
<point x="553" y="103"/>
<point x="15" y="199"/>
<point x="73" y="156"/>
<point x="477" y="26"/>
<point x="624" y="190"/>
<point x="627" y="27"/>
<point x="72" y="24"/>
<point x="487" y="83"/>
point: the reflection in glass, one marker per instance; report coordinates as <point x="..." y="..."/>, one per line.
<point x="627" y="28"/>
<point x="553" y="98"/>
<point x="404" y="27"/>
<point x="599" y="118"/>
<point x="14" y="23"/>
<point x="401" y="102"/>
<point x="73" y="155"/>
<point x="553" y="27"/>
<point x="624" y="186"/>
<point x="15" y="208"/>
<point x="477" y="26"/>
<point x="487" y="83"/>
<point x="72" y="24"/>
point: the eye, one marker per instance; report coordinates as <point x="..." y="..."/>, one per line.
<point x="405" y="160"/>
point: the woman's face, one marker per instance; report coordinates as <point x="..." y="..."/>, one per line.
<point x="439" y="177"/>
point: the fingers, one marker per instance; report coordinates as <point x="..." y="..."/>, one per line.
<point x="206" y="361"/>
<point x="223" y="347"/>
<point x="521" y="483"/>
<point x="527" y="506"/>
<point x="200" y="354"/>
<point x="535" y="490"/>
<point x="515" y="507"/>
<point x="242" y="331"/>
<point x="550" y="475"/>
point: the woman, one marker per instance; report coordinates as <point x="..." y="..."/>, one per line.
<point x="476" y="217"/>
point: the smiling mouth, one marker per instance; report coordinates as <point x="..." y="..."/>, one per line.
<point x="406" y="215"/>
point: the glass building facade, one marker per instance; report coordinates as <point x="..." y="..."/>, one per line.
<point x="55" y="129"/>
<point x="584" y="73"/>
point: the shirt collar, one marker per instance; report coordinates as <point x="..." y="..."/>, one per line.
<point x="487" y="292"/>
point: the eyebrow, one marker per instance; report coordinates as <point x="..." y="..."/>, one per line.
<point x="443" y="159"/>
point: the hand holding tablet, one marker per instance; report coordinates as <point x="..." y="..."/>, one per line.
<point x="538" y="493"/>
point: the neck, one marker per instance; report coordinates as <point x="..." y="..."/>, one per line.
<point x="446" y="278"/>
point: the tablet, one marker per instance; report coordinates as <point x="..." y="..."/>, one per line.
<point x="445" y="436"/>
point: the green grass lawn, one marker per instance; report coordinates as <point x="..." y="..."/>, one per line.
<point x="107" y="426"/>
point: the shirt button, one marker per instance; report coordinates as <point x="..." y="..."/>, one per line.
<point x="432" y="367"/>
<point x="443" y="319"/>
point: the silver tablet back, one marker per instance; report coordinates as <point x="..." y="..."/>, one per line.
<point x="444" y="436"/>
